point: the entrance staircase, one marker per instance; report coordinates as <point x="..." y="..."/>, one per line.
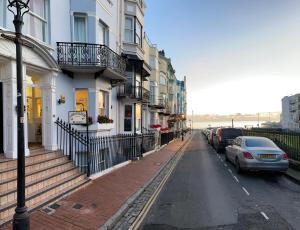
<point x="49" y="176"/>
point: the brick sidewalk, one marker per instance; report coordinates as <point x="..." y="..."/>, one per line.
<point x="103" y="197"/>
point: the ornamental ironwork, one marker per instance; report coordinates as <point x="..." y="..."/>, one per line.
<point x="85" y="54"/>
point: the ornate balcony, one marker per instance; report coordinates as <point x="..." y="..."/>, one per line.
<point x="133" y="92"/>
<point x="75" y="57"/>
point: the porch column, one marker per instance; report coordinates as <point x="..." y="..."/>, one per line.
<point x="10" y="131"/>
<point x="48" y="86"/>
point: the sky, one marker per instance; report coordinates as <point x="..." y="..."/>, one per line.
<point x="239" y="56"/>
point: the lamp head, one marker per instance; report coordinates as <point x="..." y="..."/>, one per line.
<point x="17" y="6"/>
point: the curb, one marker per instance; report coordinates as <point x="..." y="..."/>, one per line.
<point x="292" y="178"/>
<point x="109" y="224"/>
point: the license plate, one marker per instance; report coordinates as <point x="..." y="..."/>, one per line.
<point x="267" y="156"/>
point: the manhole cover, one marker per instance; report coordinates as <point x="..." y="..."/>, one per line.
<point x="77" y="206"/>
<point x="54" y="206"/>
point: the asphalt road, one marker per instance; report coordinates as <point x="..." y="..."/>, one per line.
<point x="205" y="192"/>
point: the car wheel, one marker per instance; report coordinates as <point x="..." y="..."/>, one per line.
<point x="238" y="166"/>
<point x="226" y="157"/>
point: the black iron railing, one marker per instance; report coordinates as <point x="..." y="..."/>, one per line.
<point x="95" y="154"/>
<point x="287" y="140"/>
<point x="84" y="54"/>
<point x="131" y="91"/>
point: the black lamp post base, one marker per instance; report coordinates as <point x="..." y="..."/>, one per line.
<point x="21" y="221"/>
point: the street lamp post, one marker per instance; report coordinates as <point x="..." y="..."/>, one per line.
<point x="21" y="216"/>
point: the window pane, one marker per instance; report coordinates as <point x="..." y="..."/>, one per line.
<point x="104" y="34"/>
<point x="138" y="120"/>
<point x="38" y="7"/>
<point x="128" y="36"/>
<point x="129" y="23"/>
<point x="103" y="103"/>
<point x="82" y="99"/>
<point x="36" y="28"/>
<point x="79" y="29"/>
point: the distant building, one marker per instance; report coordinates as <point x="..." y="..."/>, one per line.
<point x="290" y="116"/>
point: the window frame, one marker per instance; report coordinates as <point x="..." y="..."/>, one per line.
<point x="132" y="30"/>
<point x="106" y="103"/>
<point x="105" y="28"/>
<point x="88" y="98"/>
<point x="45" y="21"/>
<point x="162" y="76"/>
<point x="127" y="118"/>
<point x="80" y="15"/>
<point x="3" y="11"/>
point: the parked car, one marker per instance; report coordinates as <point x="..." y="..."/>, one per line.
<point x="211" y="134"/>
<point x="224" y="136"/>
<point x="256" y="154"/>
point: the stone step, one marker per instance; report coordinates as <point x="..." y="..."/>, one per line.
<point x="33" y="158"/>
<point x="40" y="165"/>
<point x="46" y="195"/>
<point x="11" y="183"/>
<point x="35" y="186"/>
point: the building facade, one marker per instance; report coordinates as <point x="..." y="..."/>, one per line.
<point x="290" y="116"/>
<point x="89" y="56"/>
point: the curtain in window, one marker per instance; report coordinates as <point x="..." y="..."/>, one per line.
<point x="79" y="29"/>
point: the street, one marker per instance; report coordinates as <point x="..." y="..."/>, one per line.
<point x="205" y="192"/>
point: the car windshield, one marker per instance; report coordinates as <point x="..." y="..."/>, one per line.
<point x="259" y="143"/>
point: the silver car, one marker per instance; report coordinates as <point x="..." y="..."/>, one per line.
<point x="256" y="154"/>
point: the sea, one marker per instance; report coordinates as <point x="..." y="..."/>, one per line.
<point x="237" y="124"/>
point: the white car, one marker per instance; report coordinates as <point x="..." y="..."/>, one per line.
<point x="256" y="154"/>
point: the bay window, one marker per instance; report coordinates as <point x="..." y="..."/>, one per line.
<point x="133" y="30"/>
<point x="80" y="28"/>
<point x="38" y="19"/>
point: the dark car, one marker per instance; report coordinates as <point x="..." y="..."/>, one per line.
<point x="224" y="136"/>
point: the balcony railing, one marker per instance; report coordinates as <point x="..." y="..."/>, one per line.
<point x="157" y="102"/>
<point x="134" y="92"/>
<point x="71" y="55"/>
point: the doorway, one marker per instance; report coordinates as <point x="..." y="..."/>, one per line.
<point x="34" y="111"/>
<point x="1" y="117"/>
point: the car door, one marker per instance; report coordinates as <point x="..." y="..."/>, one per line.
<point x="235" y="147"/>
<point x="231" y="150"/>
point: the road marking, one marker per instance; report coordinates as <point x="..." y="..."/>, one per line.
<point x="245" y="190"/>
<point x="230" y="171"/>
<point x="237" y="180"/>
<point x="225" y="164"/>
<point x="264" y="215"/>
<point x="221" y="159"/>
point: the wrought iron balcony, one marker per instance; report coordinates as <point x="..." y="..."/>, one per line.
<point x="157" y="102"/>
<point x="91" y="58"/>
<point x="133" y="92"/>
